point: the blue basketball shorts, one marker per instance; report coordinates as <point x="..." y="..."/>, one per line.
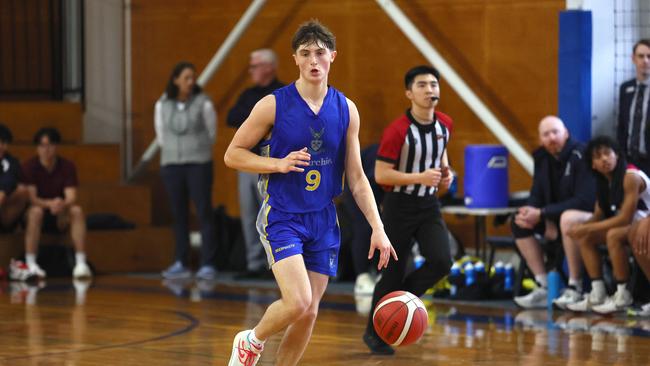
<point x="315" y="235"/>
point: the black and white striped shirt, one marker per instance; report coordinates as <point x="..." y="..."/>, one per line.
<point x="413" y="148"/>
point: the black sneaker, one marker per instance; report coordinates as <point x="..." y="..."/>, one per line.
<point x="377" y="346"/>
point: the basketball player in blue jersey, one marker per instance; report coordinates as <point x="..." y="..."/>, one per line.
<point x="311" y="138"/>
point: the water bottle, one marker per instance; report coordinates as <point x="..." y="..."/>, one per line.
<point x="509" y="278"/>
<point x="554" y="284"/>
<point x="470" y="275"/>
<point x="479" y="270"/>
<point x="498" y="269"/>
<point x="418" y="261"/>
<point x="454" y="277"/>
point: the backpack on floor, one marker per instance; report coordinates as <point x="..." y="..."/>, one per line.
<point x="231" y="248"/>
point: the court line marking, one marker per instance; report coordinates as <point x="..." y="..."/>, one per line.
<point x="193" y="323"/>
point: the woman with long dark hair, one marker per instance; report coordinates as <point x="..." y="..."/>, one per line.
<point x="185" y="121"/>
<point x="622" y="198"/>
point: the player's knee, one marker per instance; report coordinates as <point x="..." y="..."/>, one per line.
<point x="566" y="221"/>
<point x="35" y="213"/>
<point x="76" y="211"/>
<point x="311" y="313"/>
<point x="299" y="304"/>
<point x="613" y="239"/>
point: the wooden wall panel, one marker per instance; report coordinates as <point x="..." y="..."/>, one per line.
<point x="25" y="41"/>
<point x="505" y="49"/>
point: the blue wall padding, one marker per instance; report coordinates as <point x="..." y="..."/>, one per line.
<point x="574" y="72"/>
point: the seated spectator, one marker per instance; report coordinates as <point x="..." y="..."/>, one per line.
<point x="639" y="239"/>
<point x="561" y="182"/>
<point x="13" y="197"/>
<point x="52" y="186"/>
<point x="623" y="196"/>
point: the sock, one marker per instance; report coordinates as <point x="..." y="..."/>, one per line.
<point x="541" y="280"/>
<point x="80" y="257"/>
<point x="253" y="339"/>
<point x="621" y="287"/>
<point x="576" y="284"/>
<point x="30" y="259"/>
<point x="598" y="287"/>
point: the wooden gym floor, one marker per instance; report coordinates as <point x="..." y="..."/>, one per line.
<point x="124" y="320"/>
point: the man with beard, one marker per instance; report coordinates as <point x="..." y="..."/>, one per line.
<point x="562" y="196"/>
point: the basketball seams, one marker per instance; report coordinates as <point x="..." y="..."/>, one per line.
<point x="411" y="307"/>
<point x="412" y="303"/>
<point x="386" y="302"/>
<point x="397" y="311"/>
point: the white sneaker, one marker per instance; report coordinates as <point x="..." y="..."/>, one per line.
<point x="244" y="353"/>
<point x="537" y="299"/>
<point x="618" y="302"/>
<point x="569" y="296"/>
<point x="364" y="285"/>
<point x="37" y="271"/>
<point x="19" y="271"/>
<point x="363" y="303"/>
<point x="588" y="303"/>
<point x="81" y="270"/>
<point x="644" y="310"/>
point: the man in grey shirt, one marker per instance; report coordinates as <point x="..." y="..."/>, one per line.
<point x="262" y="69"/>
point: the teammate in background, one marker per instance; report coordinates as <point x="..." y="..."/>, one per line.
<point x="51" y="182"/>
<point x="412" y="161"/>
<point x="622" y="198"/>
<point x="311" y="132"/>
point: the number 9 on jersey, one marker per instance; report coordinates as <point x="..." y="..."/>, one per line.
<point x="313" y="180"/>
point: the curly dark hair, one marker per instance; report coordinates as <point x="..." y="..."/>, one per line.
<point x="609" y="196"/>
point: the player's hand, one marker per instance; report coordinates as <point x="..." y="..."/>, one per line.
<point x="379" y="241"/>
<point x="294" y="160"/>
<point x="447" y="177"/>
<point x="578" y="231"/>
<point x="56" y="206"/>
<point x="640" y="243"/>
<point x="527" y="217"/>
<point x="430" y="177"/>
<point x="520" y="220"/>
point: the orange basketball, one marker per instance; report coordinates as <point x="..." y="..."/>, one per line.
<point x="400" y="318"/>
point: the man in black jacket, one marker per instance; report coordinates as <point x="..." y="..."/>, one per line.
<point x="632" y="131"/>
<point x="562" y="195"/>
<point x="262" y="69"/>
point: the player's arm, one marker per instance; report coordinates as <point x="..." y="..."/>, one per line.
<point x="632" y="184"/>
<point x="386" y="174"/>
<point x="362" y="193"/>
<point x="70" y="196"/>
<point x="255" y="128"/>
<point x="35" y="200"/>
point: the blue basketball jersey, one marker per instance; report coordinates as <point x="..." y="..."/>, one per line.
<point x="324" y="134"/>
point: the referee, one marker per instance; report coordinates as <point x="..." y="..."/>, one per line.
<point x="411" y="163"/>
